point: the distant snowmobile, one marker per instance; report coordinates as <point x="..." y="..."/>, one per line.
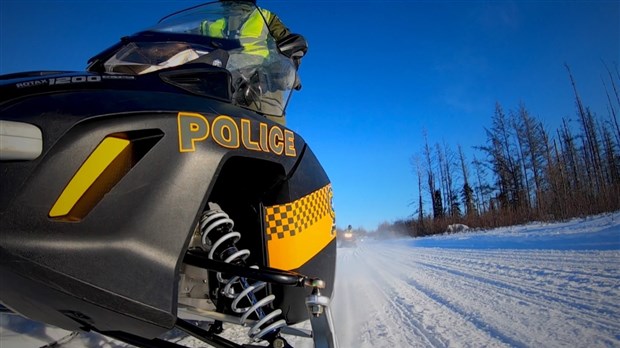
<point x="348" y="238"/>
<point x="151" y="191"/>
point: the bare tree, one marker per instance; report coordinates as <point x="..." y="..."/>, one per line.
<point x="418" y="169"/>
<point x="570" y="157"/>
<point x="445" y="159"/>
<point x="504" y="161"/>
<point x="437" y="206"/>
<point x="483" y="190"/>
<point x="612" y="158"/>
<point x="612" y="108"/>
<point x="467" y="192"/>
<point x="532" y="144"/>
<point x="590" y="142"/>
<point x="521" y="160"/>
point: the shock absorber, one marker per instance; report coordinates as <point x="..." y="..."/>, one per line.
<point x="219" y="238"/>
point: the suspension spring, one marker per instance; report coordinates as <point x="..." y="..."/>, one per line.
<point x="218" y="236"/>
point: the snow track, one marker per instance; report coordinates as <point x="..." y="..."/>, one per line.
<point x="398" y="295"/>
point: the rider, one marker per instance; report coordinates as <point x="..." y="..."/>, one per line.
<point x="250" y="30"/>
<point x="262" y="81"/>
<point x="251" y="25"/>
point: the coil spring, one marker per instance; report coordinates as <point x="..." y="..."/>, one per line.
<point x="217" y="233"/>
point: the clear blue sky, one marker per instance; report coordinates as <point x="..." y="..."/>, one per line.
<point x="376" y="75"/>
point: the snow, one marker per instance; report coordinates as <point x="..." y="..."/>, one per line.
<point x="539" y="284"/>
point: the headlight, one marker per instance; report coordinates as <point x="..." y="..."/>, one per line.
<point x="19" y="141"/>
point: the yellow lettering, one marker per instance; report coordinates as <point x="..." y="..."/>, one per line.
<point x="192" y="128"/>
<point x="232" y="133"/>
<point x="225" y="132"/>
<point x="264" y="137"/>
<point x="246" y="136"/>
<point x="289" y="143"/>
<point x="276" y="140"/>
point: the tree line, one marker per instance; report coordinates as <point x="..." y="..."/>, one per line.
<point x="523" y="172"/>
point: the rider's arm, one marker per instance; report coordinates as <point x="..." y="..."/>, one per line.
<point x="277" y="29"/>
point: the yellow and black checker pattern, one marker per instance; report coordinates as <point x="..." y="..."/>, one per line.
<point x="289" y="219"/>
<point x="299" y="230"/>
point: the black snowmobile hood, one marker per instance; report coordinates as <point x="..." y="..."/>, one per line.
<point x="202" y="80"/>
<point x="32" y="82"/>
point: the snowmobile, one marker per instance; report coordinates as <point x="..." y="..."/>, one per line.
<point x="158" y="190"/>
<point x="348" y="238"/>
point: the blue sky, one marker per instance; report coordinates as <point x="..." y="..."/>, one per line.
<point x="377" y="74"/>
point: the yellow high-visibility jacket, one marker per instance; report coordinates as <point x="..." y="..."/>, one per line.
<point x="252" y="34"/>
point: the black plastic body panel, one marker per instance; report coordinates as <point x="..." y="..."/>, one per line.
<point x="117" y="269"/>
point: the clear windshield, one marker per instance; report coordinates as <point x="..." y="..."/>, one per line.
<point x="263" y="79"/>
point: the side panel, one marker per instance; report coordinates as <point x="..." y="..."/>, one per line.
<point x="113" y="265"/>
<point x="122" y="254"/>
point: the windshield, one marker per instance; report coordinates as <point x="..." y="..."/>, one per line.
<point x="231" y="35"/>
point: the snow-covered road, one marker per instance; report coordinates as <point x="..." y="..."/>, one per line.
<point x="395" y="295"/>
<point x="537" y="285"/>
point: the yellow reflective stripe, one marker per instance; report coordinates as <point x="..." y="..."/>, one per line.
<point x="299" y="230"/>
<point x="109" y="149"/>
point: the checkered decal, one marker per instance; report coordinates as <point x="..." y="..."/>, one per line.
<point x="289" y="219"/>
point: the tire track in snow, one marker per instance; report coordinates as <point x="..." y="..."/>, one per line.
<point x="529" y="268"/>
<point x="510" y="306"/>
<point x="404" y="316"/>
<point x="495" y="271"/>
<point x="481" y="324"/>
<point x="590" y="302"/>
<point x="380" y="317"/>
<point x="449" y="319"/>
<point x="402" y="311"/>
<point x="539" y="296"/>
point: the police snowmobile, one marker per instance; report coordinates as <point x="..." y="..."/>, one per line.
<point x="155" y="190"/>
